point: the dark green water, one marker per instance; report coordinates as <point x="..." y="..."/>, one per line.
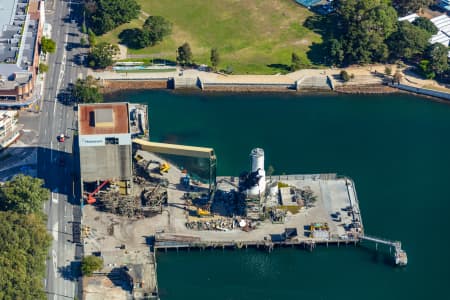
<point x="396" y="148"/>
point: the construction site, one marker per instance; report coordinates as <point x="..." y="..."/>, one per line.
<point x="144" y="203"/>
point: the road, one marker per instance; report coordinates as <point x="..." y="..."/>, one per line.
<point x="55" y="159"/>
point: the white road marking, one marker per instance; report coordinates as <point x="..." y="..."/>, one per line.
<point x="54" y="198"/>
<point x="55" y="231"/>
<point x="55" y="261"/>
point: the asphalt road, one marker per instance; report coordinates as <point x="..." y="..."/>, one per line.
<point x="55" y="159"/>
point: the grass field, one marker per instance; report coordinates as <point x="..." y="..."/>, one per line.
<point x="253" y="36"/>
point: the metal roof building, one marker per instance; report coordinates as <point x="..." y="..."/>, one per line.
<point x="21" y="24"/>
<point x="105" y="142"/>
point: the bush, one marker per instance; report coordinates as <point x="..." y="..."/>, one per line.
<point x="101" y="55"/>
<point x="47" y="45"/>
<point x="344" y="76"/>
<point x="388" y="71"/>
<point x="43" y="68"/>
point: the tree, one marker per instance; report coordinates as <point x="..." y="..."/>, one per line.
<point x="215" y="58"/>
<point x="25" y="244"/>
<point x="336" y="53"/>
<point x="409" y="6"/>
<point x="86" y="91"/>
<point x="101" y="55"/>
<point x="83" y="42"/>
<point x="398" y="77"/>
<point x="153" y="31"/>
<point x="438" y="56"/>
<point x="90" y="263"/>
<point x="184" y="54"/>
<point x="157" y="28"/>
<point x="426" y="24"/>
<point x="91" y="38"/>
<point x="408" y="41"/>
<point x="23" y="194"/>
<point x="105" y="15"/>
<point x="43" y="68"/>
<point x="364" y="26"/>
<point x="47" y="45"/>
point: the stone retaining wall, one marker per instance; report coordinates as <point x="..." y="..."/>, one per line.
<point x="111" y="86"/>
<point x="365" y="89"/>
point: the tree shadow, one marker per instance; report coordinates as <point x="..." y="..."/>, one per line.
<point x="318" y="54"/>
<point x="131" y="38"/>
<point x="283" y="68"/>
<point x="71" y="271"/>
<point x="328" y="27"/>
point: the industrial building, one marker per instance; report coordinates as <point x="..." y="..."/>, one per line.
<point x="21" y="26"/>
<point x="105" y="142"/>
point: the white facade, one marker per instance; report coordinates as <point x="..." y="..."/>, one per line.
<point x="95" y="140"/>
<point x="9" y="130"/>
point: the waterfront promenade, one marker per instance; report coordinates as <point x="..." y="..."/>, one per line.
<point x="370" y="79"/>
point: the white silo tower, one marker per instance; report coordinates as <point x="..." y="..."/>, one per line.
<point x="257" y="159"/>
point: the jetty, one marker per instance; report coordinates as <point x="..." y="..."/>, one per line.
<point x="400" y="255"/>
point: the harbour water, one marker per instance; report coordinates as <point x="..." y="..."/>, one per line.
<point x="395" y="147"/>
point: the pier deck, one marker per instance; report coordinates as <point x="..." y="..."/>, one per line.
<point x="334" y="195"/>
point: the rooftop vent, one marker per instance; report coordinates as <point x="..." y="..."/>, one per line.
<point x="103" y="117"/>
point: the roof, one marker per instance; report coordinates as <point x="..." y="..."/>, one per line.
<point x="7" y="12"/>
<point x="442" y="23"/>
<point x="104" y="118"/>
<point x="409" y="18"/>
<point x="19" y="25"/>
<point x="18" y="32"/>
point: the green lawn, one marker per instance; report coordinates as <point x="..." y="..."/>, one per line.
<point x="250" y="34"/>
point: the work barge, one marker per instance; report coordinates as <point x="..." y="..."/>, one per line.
<point x="149" y="204"/>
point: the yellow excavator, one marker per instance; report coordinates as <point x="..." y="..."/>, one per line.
<point x="164" y="167"/>
<point x="202" y="212"/>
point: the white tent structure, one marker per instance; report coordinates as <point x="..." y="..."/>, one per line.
<point x="442" y="23"/>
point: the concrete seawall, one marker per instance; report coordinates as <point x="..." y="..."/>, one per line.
<point x="365" y="81"/>
<point x="422" y="91"/>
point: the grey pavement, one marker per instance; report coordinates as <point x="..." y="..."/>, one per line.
<point x="55" y="160"/>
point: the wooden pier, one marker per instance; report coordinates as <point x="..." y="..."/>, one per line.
<point x="188" y="243"/>
<point x="269" y="245"/>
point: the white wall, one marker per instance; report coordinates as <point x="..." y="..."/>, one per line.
<point x="99" y="139"/>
